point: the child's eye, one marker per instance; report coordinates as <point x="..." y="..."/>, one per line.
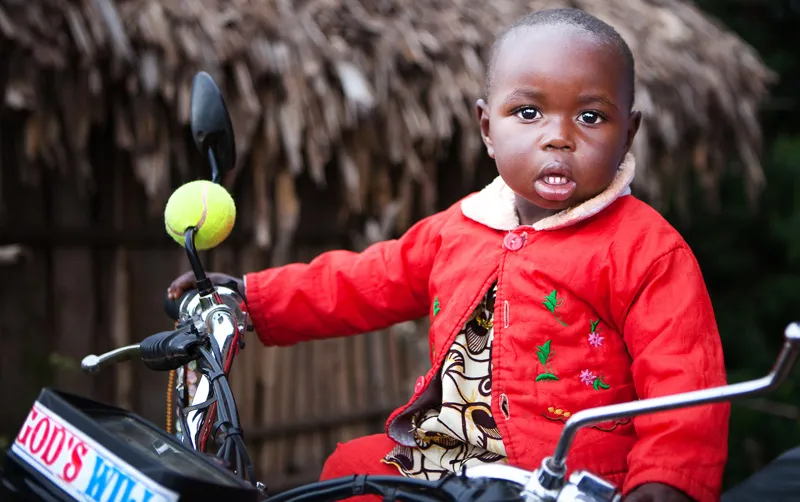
<point x="528" y="113"/>
<point x="590" y="118"/>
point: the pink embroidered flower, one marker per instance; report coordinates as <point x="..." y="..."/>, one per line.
<point x="587" y="377"/>
<point x="595" y="339"/>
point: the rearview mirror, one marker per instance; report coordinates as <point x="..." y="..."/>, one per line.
<point x="211" y="126"/>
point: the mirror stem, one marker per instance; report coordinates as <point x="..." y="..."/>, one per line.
<point x="203" y="283"/>
<point x="215" y="174"/>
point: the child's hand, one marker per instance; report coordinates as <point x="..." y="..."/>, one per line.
<point x="656" y="492"/>
<point x="186" y="281"/>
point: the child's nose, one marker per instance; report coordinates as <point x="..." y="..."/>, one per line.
<point x="557" y="136"/>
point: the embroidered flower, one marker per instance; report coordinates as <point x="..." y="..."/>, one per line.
<point x="559" y="411"/>
<point x="587" y="377"/>
<point x="595" y="340"/>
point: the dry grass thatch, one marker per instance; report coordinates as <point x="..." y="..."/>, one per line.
<point x="383" y="88"/>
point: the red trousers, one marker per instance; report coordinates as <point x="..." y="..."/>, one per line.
<point x="360" y="456"/>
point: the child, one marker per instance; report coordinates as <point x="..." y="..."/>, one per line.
<point x="550" y="291"/>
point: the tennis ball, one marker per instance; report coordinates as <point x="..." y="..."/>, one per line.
<point x="204" y="205"/>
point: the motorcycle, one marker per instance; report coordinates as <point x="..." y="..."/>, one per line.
<point x="74" y="448"/>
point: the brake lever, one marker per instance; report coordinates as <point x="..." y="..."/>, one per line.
<point x="92" y="363"/>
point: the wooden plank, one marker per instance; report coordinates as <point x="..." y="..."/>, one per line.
<point x="118" y="306"/>
<point x="394" y="347"/>
<point x="73" y="291"/>
<point x="363" y="379"/>
<point x="270" y="378"/>
<point x="24" y="332"/>
<point x="324" y="371"/>
<point x="302" y="368"/>
<point x="284" y="406"/>
<point x="26" y="324"/>
<point x="151" y="271"/>
<point x="342" y="355"/>
<point x="119" y="324"/>
<point x="314" y="452"/>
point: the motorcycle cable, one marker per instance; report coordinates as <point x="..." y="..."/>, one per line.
<point x="228" y="422"/>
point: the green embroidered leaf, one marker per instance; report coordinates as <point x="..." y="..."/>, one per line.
<point x="599" y="384"/>
<point x="546" y="376"/>
<point x="543" y="352"/>
<point x="594" y="324"/>
<point x="552" y="302"/>
<point x="436" y="306"/>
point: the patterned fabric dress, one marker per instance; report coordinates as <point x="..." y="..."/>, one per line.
<point x="461" y="431"/>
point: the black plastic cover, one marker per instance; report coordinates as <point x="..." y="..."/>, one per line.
<point x="73" y="448"/>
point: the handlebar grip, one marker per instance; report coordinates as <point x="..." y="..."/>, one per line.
<point x="172" y="307"/>
<point x="169" y="350"/>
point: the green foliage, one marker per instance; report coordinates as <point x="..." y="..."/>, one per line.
<point x="750" y="257"/>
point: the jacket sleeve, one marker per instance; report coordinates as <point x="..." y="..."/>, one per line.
<point x="342" y="292"/>
<point x="672" y="336"/>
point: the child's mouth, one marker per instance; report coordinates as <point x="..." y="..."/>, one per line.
<point x="554" y="186"/>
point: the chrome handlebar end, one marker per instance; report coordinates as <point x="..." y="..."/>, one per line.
<point x="90" y="364"/>
<point x="792" y="334"/>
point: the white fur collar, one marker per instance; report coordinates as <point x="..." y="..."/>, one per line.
<point x="494" y="205"/>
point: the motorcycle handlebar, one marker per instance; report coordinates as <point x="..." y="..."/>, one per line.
<point x="164" y="351"/>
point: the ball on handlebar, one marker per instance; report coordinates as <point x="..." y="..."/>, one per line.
<point x="204" y="205"/>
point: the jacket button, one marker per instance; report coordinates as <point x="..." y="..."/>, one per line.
<point x="514" y="242"/>
<point x="419" y="385"/>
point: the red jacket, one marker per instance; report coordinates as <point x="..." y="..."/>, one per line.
<point x="591" y="309"/>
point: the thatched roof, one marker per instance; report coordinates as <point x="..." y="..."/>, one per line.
<point x="383" y="88"/>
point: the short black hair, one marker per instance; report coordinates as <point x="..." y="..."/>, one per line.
<point x="577" y="18"/>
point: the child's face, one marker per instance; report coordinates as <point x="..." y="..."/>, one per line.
<point x="558" y="122"/>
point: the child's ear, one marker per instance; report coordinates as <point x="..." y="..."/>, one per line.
<point x="634" y="121"/>
<point x="482" y="112"/>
